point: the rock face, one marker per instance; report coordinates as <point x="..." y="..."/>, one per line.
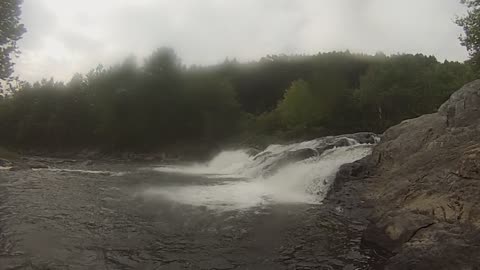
<point x="423" y="183"/>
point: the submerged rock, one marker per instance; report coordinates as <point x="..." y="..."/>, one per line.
<point x="5" y="163"/>
<point x="423" y="183"/>
<point x="364" y="137"/>
<point x="289" y="158"/>
<point x="301" y="154"/>
<point x="347" y="140"/>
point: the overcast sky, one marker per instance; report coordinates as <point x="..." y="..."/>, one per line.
<point x="68" y="36"/>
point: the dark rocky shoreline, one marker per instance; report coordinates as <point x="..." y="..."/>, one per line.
<point x="421" y="188"/>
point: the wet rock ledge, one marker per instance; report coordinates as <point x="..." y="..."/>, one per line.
<point x="421" y="186"/>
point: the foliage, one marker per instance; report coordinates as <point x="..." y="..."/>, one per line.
<point x="11" y="30"/>
<point x="298" y="107"/>
<point x="407" y="86"/>
<point x="161" y="104"/>
<point x="471" y="26"/>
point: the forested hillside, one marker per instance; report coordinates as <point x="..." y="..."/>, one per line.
<point x="158" y="102"/>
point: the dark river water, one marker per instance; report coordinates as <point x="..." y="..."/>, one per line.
<point x="74" y="220"/>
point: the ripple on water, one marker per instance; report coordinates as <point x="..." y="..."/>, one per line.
<point x="105" y="173"/>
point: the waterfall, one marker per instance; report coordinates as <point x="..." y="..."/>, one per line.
<point x="294" y="173"/>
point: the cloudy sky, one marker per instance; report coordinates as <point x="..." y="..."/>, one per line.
<point x="68" y="36"/>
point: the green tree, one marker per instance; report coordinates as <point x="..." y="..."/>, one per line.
<point x="406" y="86"/>
<point x="299" y="108"/>
<point x="11" y="30"/>
<point x="471" y="26"/>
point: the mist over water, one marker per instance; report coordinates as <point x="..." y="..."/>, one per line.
<point x="295" y="173"/>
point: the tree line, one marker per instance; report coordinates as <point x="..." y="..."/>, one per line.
<point x="162" y="104"/>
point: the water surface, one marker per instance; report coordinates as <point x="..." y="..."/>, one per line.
<point x="151" y="216"/>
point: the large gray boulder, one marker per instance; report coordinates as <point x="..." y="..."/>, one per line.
<point x="424" y="186"/>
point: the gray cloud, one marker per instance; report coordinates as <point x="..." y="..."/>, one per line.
<point x="68" y="36"/>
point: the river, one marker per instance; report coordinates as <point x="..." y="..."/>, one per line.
<point x="117" y="215"/>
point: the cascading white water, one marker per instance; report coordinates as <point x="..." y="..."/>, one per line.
<point x="295" y="173"/>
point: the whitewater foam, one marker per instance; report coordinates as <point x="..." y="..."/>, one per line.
<point x="304" y="181"/>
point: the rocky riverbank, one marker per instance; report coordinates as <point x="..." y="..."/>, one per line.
<point x="421" y="188"/>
